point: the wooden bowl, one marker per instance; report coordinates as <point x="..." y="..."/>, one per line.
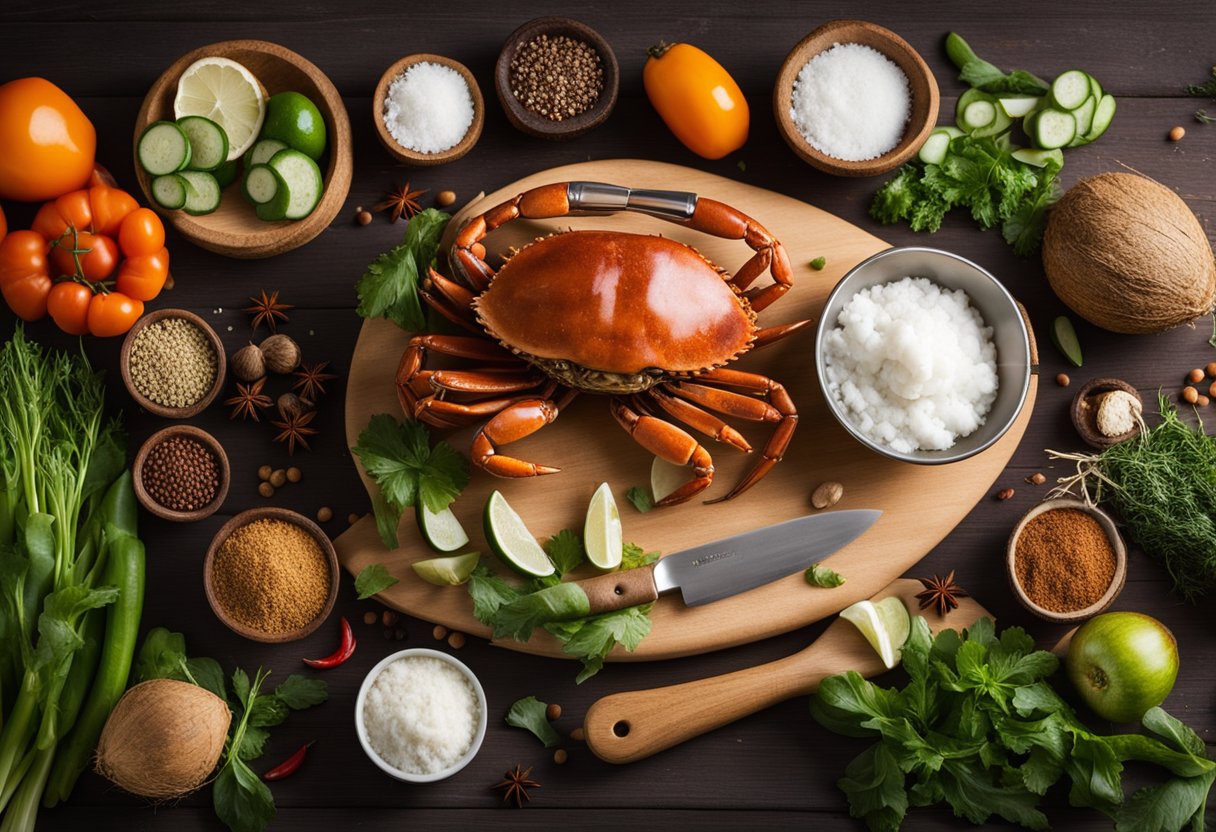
<point x="922" y="84"/>
<point x="221" y="367"/>
<point x="191" y="432"/>
<point x="413" y="157"/>
<point x="234" y="230"/>
<point x="1084" y="411"/>
<point x="1116" y="542"/>
<point x="270" y="513"/>
<point x="535" y="125"/>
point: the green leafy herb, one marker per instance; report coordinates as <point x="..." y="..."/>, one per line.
<point x="979" y="73"/>
<point x="1206" y="89"/>
<point x="817" y="575"/>
<point x="529" y="713"/>
<point x="634" y="556"/>
<point x="566" y="551"/>
<point x="818" y="263"/>
<point x="641" y="498"/>
<point x="372" y="580"/>
<point x="400" y="458"/>
<point x="389" y="287"/>
<point x="978" y="727"/>
<point x="1202" y="117"/>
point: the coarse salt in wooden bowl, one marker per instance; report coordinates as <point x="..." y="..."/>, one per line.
<point x="922" y="87"/>
<point x="221" y="365"/>
<point x="270" y="513"/>
<point x="540" y="126"/>
<point x="1116" y="543"/>
<point x="221" y="461"/>
<point x="1084" y="411"/>
<point x="234" y="229"/>
<point x="414" y="157"/>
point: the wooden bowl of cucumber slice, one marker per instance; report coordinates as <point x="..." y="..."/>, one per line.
<point x="260" y="172"/>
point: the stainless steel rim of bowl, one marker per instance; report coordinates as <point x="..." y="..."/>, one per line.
<point x="1011" y="317"/>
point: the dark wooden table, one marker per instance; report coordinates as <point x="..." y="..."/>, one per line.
<point x="773" y="770"/>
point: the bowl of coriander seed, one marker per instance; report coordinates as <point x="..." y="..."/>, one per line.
<point x="172" y="363"/>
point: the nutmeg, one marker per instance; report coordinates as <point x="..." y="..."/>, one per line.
<point x="248" y="363"/>
<point x="281" y="352"/>
<point x="290" y="406"/>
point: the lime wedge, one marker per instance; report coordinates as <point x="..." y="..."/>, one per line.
<point x="885" y="625"/>
<point x="602" y="530"/>
<point x="449" y="571"/>
<point x="441" y="530"/>
<point x="511" y="540"/>
<point x="227" y="93"/>
<point x="666" y="477"/>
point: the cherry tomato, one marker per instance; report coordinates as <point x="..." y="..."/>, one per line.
<point x="98" y="256"/>
<point x="101" y="176"/>
<point x="144" y="276"/>
<point x="24" y="279"/>
<point x="113" y="314"/>
<point x="69" y="304"/>
<point x="72" y="210"/>
<point x="110" y="207"/>
<point x="46" y="143"/>
<point x="141" y="233"/>
<point x="697" y="99"/>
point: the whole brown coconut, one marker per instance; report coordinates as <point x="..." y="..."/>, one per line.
<point x="1126" y="254"/>
<point x="163" y="739"/>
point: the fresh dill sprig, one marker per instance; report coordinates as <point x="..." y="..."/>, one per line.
<point x="1205" y="90"/>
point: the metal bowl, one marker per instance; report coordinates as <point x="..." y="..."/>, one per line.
<point x="999" y="311"/>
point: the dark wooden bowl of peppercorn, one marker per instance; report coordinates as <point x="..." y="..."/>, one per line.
<point x="143" y="397"/>
<point x="1056" y="545"/>
<point x="181" y="474"/>
<point x="571" y="51"/>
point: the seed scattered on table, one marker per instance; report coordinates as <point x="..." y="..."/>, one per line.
<point x="181" y="474"/>
<point x="294" y="474"/>
<point x="560" y="756"/>
<point x="389" y="617"/>
<point x="172" y="363"/>
<point x="827" y="494"/>
<point x="1211" y="369"/>
<point x="557" y="77"/>
<point x="1202" y="401"/>
<point x="363" y="216"/>
<point x="1036" y="478"/>
<point x="456" y="641"/>
<point x="440" y="632"/>
<point x="554" y="711"/>
<point x="352" y="518"/>
<point x="1063" y="380"/>
<point x="1004" y="494"/>
<point x="1190" y="395"/>
<point x="266" y="489"/>
<point x="278" y="478"/>
<point x="1195" y="376"/>
<point x="264" y="473"/>
<point x="578" y="735"/>
<point x="1176" y="133"/>
<point x="370" y="617"/>
<point x="445" y="198"/>
<point x="325" y="514"/>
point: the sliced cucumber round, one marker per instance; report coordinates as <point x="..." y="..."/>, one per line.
<point x="1103" y="116"/>
<point x="1018" y="106"/>
<point x="935" y="148"/>
<point x="441" y="530"/>
<point x="169" y="191"/>
<point x="261" y="184"/>
<point x="1039" y="158"/>
<point x="303" y="179"/>
<point x="1000" y="124"/>
<point x="1085" y="119"/>
<point x="208" y="142"/>
<point x="163" y="148"/>
<point x="202" y="192"/>
<point x="261" y="152"/>
<point x="978" y="114"/>
<point x="511" y="540"/>
<point x="1052" y="128"/>
<point x="1070" y="89"/>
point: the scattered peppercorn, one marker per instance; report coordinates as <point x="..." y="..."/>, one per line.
<point x="363" y="216"/>
<point x="181" y="474"/>
<point x="1036" y="478"/>
<point x="554" y="711"/>
<point x="1177" y="133"/>
<point x="1195" y="376"/>
<point x="388" y="635"/>
<point x="325" y="514"/>
<point x="266" y="489"/>
<point x="1004" y="494"/>
<point x="456" y="641"/>
<point x="1063" y="380"/>
<point x="370" y="617"/>
<point x="389" y="617"/>
<point x="440" y="632"/>
<point x="560" y="756"/>
<point x="278" y="478"/>
<point x="294" y="474"/>
<point x="556" y="77"/>
<point x="1190" y="395"/>
<point x="445" y="198"/>
<point x="578" y="735"/>
<point x="264" y="473"/>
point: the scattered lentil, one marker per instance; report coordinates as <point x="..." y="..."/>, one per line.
<point x="1004" y="494"/>
<point x="389" y="617"/>
<point x="1190" y="395"/>
<point x="445" y="198"/>
<point x="1036" y="478"/>
<point x="560" y="756"/>
<point x="294" y="474"/>
<point x="578" y="735"/>
<point x="554" y="711"/>
<point x="278" y="478"/>
<point x="172" y="362"/>
<point x="325" y="514"/>
<point x="1063" y="380"/>
<point x="1064" y="560"/>
<point x="456" y="641"/>
<point x="440" y="632"/>
<point x="266" y="489"/>
<point x="1195" y="376"/>
<point x="1177" y="133"/>
<point x="556" y="77"/>
<point x="181" y="474"/>
<point x="370" y="617"/>
<point x="271" y="576"/>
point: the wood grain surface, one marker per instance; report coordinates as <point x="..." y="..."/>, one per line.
<point x="776" y="769"/>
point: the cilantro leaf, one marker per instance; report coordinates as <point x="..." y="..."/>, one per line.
<point x="559" y="602"/>
<point x="634" y="556"/>
<point x="594" y="638"/>
<point x="640" y="498"/>
<point x="817" y="575"/>
<point x="389" y="287"/>
<point x="874" y="784"/>
<point x="529" y="713"/>
<point x="566" y="551"/>
<point x="489" y="592"/>
<point x="373" y="579"/>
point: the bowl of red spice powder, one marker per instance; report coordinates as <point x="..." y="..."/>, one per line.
<point x="1066" y="560"/>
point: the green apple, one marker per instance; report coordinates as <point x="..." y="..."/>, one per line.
<point x="1122" y="664"/>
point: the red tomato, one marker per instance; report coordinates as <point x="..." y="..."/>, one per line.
<point x="110" y="207"/>
<point x="113" y="314"/>
<point x="46" y="142"/>
<point x="144" y="276"/>
<point x="68" y="304"/>
<point x="98" y="256"/>
<point x="24" y="279"/>
<point x="141" y="233"/>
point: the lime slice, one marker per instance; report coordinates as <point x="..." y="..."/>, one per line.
<point x="511" y="540"/>
<point x="227" y="93"/>
<point x="885" y="625"/>
<point x="602" y="530"/>
<point x="449" y="571"/>
<point x="441" y="530"/>
<point x="666" y="477"/>
<point x="294" y="119"/>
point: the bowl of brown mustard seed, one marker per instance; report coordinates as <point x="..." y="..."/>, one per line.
<point x="271" y="575"/>
<point x="172" y="363"/>
<point x="1066" y="560"/>
<point x="181" y="474"/>
<point x="556" y="78"/>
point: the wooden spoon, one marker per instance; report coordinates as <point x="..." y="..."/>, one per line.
<point x="625" y="727"/>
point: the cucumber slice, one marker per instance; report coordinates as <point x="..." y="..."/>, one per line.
<point x="1040" y="158"/>
<point x="1070" y="89"/>
<point x="276" y="208"/>
<point x="1018" y="106"/>
<point x="202" y="192"/>
<point x="935" y="148"/>
<point x="1085" y="119"/>
<point x="1000" y="124"/>
<point x="261" y="184"/>
<point x="1052" y="128"/>
<point x="511" y="540"/>
<point x="261" y="152"/>
<point x="1095" y="89"/>
<point x="208" y="142"/>
<point x="966" y="99"/>
<point x="978" y="114"/>
<point x="1102" y="118"/>
<point x="950" y="130"/>
<point x="441" y="530"/>
<point x="303" y="179"/>
<point x="226" y="173"/>
<point x="163" y="148"/>
<point x="169" y="191"/>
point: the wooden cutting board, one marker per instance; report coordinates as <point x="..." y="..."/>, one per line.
<point x="921" y="503"/>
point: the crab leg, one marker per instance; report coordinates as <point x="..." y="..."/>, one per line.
<point x="482" y="381"/>
<point x="463" y="318"/>
<point x="698" y="419"/>
<point x="721" y="220"/>
<point x="768" y="335"/>
<point x="672" y="444"/>
<point x="727" y="402"/>
<point x="463" y="413"/>
<point x="468" y="254"/>
<point x="513" y="423"/>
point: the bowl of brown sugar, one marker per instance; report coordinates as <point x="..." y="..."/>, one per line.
<point x="271" y="575"/>
<point x="1066" y="560"/>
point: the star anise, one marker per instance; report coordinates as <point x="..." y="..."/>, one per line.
<point x="940" y="592"/>
<point x="248" y="400"/>
<point x="515" y="784"/>
<point x="310" y="380"/>
<point x="402" y="202"/>
<point x="294" y="429"/>
<point x="267" y="308"/>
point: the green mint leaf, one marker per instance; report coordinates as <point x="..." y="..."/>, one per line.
<point x="267" y="711"/>
<point x="874" y="784"/>
<point x="373" y="579"/>
<point x="529" y="713"/>
<point x="398" y="455"/>
<point x="817" y="575"/>
<point x="634" y="556"/>
<point x="253" y="741"/>
<point x="566" y="551"/>
<point x="240" y="798"/>
<point x="389" y="287"/>
<point x="299" y="692"/>
<point x="643" y="501"/>
<point x="489" y="592"/>
<point x="1174" y="731"/>
<point x="422" y="236"/>
<point x="818" y="263"/>
<point x="976" y="794"/>
<point x="443" y="475"/>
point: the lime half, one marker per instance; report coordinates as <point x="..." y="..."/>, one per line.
<point x="441" y="530"/>
<point x="449" y="571"/>
<point x="666" y="477"/>
<point x="227" y="93"/>
<point x="602" y="530"/>
<point x="511" y="540"/>
<point x="885" y="625"/>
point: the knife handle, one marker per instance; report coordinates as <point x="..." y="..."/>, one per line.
<point x="618" y="590"/>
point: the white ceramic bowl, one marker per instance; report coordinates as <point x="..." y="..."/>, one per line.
<point x="361" y="729"/>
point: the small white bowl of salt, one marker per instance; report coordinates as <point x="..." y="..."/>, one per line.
<point x="420" y="715"/>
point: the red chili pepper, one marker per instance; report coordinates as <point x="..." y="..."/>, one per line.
<point x="289" y="766"/>
<point x="344" y="651"/>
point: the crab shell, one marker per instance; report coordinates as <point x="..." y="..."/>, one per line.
<point x="609" y="312"/>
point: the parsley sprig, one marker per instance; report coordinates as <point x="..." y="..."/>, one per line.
<point x="389" y="287"/>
